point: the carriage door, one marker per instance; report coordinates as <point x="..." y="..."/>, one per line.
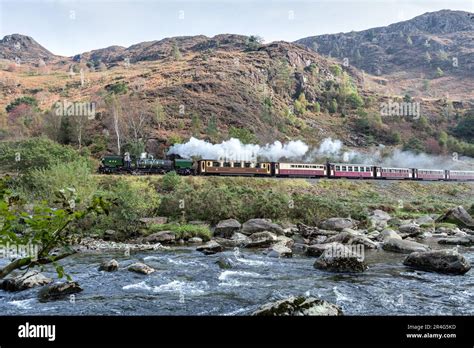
<point x="203" y="166"/>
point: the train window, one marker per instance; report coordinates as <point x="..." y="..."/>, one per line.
<point x="237" y="165"/>
<point x="209" y="163"/>
<point x="349" y="169"/>
<point x="227" y="164"/>
<point x="367" y="169"/>
<point x="338" y="168"/>
<point x="356" y="169"/>
<point x="344" y="168"/>
<point x="215" y="164"/>
<point x="247" y="165"/>
<point x="257" y="165"/>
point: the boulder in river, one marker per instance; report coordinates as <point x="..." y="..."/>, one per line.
<point x="458" y="216"/>
<point x="352" y="238"/>
<point x="259" y="225"/>
<point x="464" y="241"/>
<point x="279" y="250"/>
<point x="337" y="224"/>
<point x="226" y="228"/>
<point x="299" y="306"/>
<point x="388" y="233"/>
<point x="261" y="240"/>
<point x="316" y="250"/>
<point x="28" y="280"/>
<point x="210" y="248"/>
<point x="340" y="258"/>
<point x="164" y="237"/>
<point x="379" y="219"/>
<point x="224" y="263"/>
<point x="58" y="291"/>
<point x="440" y="261"/>
<point x="195" y="240"/>
<point x="109" y="266"/>
<point x="141" y="268"/>
<point x="410" y="230"/>
<point x="398" y="245"/>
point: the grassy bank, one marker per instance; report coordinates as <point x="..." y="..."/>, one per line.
<point x="293" y="200"/>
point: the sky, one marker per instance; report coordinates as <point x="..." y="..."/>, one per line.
<point x="69" y="27"/>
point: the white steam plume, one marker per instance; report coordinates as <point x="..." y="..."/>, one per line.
<point x="329" y="149"/>
<point x="233" y="149"/>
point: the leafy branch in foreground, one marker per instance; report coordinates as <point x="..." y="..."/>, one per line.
<point x="49" y="231"/>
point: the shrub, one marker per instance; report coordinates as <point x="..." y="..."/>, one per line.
<point x="22" y="100"/>
<point x="117" y="88"/>
<point x="336" y="70"/>
<point x="243" y="134"/>
<point x="170" y="181"/>
<point x="184" y="231"/>
<point x="35" y="153"/>
<point x="38" y="184"/>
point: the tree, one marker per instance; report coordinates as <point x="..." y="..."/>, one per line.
<point x="409" y="41"/>
<point x="115" y="110"/>
<point x="332" y="106"/>
<point x="244" y="135"/>
<point x="317" y="107"/>
<point x="254" y="42"/>
<point x="48" y="229"/>
<point x="465" y="127"/>
<point x="336" y="70"/>
<point x="175" y="52"/>
<point x="300" y="104"/>
<point x="212" y="130"/>
<point x="443" y="139"/>
<point x="196" y="125"/>
<point x="158" y="113"/>
<point x="439" y="72"/>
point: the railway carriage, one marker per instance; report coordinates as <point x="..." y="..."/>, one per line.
<point x="459" y="175"/>
<point x="393" y="173"/>
<point x="429" y="174"/>
<point x="356" y="171"/>
<point x="212" y="167"/>
<point x="302" y="170"/>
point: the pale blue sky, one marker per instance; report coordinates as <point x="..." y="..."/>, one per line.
<point x="68" y="27"/>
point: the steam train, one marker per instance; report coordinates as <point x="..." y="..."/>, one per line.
<point x="143" y="165"/>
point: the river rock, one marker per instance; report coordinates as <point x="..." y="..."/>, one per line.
<point x="111" y="235"/>
<point x="237" y="240"/>
<point x="440" y="261"/>
<point x="410" y="230"/>
<point x="337" y="224"/>
<point x="299" y="306"/>
<point x="388" y="233"/>
<point x="210" y="248"/>
<point x="399" y="245"/>
<point x="379" y="219"/>
<point x="340" y="259"/>
<point x="261" y="240"/>
<point x="225" y="263"/>
<point x="226" y="228"/>
<point x="316" y="250"/>
<point x="165" y="237"/>
<point x="352" y="238"/>
<point x="279" y="250"/>
<point x="286" y="241"/>
<point x="109" y="266"/>
<point x="58" y="291"/>
<point x="141" y="268"/>
<point x="456" y="241"/>
<point x="259" y="225"/>
<point x="458" y="216"/>
<point x="195" y="240"/>
<point x="28" y="280"/>
<point x="424" y="220"/>
<point x="449" y="231"/>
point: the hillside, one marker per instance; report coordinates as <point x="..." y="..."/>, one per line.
<point x="409" y="53"/>
<point x="156" y="93"/>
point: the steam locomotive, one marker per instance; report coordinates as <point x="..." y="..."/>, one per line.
<point x="146" y="165"/>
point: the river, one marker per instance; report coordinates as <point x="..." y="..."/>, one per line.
<point x="189" y="283"/>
